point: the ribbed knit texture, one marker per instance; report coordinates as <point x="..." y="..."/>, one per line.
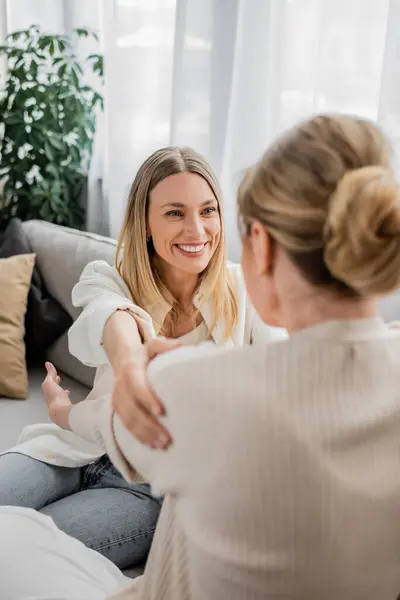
<point x="284" y="478"/>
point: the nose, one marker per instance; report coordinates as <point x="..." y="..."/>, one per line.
<point x="194" y="226"/>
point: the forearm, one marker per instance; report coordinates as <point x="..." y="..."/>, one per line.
<point x="122" y="341"/>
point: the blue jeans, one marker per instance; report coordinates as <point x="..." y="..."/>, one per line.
<point x="93" y="504"/>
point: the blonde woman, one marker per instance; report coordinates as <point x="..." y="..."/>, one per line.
<point x="172" y="278"/>
<point x="283" y="480"/>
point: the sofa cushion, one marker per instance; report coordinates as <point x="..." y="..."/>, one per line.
<point x="62" y="254"/>
<point x="60" y="356"/>
<point x="15" y="279"/>
<point x="45" y="319"/>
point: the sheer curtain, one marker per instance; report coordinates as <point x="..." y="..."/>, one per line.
<point x="226" y="77"/>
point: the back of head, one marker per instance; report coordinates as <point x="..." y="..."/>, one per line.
<point x="326" y="193"/>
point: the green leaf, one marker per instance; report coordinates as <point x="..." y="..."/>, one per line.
<point x="82" y="32"/>
<point x="16" y="35"/>
<point x="98" y="66"/>
<point x="75" y="77"/>
<point x="56" y="142"/>
<point x="62" y="71"/>
<point x="46" y="211"/>
<point x="92" y="33"/>
<point x="78" y="67"/>
<point x="45" y="41"/>
<point x="51" y="169"/>
<point x="33" y="69"/>
<point x="51" y="48"/>
<point x="14" y="119"/>
<point x="48" y="151"/>
<point x="98" y="99"/>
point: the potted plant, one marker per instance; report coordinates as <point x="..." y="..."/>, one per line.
<point x="47" y="126"/>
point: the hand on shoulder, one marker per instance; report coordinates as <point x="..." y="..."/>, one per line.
<point x="134" y="400"/>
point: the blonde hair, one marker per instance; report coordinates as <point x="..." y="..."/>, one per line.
<point x="326" y="193"/>
<point x="136" y="262"/>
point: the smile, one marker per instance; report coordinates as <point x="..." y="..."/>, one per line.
<point x="192" y="249"/>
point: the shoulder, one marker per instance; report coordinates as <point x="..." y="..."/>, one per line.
<point x="100" y="267"/>
<point x="100" y="275"/>
<point x="207" y="367"/>
<point x="203" y="380"/>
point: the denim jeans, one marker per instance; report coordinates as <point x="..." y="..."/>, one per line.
<point x="93" y="504"/>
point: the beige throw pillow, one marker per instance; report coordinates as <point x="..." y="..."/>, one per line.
<point x="15" y="279"/>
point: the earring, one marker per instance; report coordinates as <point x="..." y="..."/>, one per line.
<point x="148" y="238"/>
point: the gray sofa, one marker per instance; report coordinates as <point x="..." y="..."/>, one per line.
<point x="61" y="255"/>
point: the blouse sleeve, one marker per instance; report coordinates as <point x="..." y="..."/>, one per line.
<point x="100" y="292"/>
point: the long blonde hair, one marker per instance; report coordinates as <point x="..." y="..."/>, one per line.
<point x="325" y="192"/>
<point x="136" y="264"/>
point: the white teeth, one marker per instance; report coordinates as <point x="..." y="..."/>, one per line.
<point x="191" y="248"/>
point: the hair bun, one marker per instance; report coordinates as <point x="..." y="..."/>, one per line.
<point x="362" y="234"/>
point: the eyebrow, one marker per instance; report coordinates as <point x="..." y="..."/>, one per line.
<point x="181" y="205"/>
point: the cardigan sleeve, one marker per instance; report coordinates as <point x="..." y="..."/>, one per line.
<point x="177" y="379"/>
<point x="100" y="292"/>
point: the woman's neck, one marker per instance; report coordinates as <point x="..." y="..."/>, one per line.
<point x="303" y="305"/>
<point x="314" y="311"/>
<point x="181" y="285"/>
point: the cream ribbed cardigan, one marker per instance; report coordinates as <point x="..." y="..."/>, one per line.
<point x="284" y="478"/>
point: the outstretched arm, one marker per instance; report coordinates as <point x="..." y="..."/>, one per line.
<point x="111" y="327"/>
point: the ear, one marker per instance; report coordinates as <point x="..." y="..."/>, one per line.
<point x="261" y="247"/>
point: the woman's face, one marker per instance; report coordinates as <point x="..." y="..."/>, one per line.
<point x="184" y="222"/>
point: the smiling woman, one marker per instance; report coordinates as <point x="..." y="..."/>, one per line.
<point x="174" y="243"/>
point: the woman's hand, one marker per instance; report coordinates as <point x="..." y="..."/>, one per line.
<point x="57" y="399"/>
<point x="135" y="402"/>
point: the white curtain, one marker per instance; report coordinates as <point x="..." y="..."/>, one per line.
<point x="225" y="76"/>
